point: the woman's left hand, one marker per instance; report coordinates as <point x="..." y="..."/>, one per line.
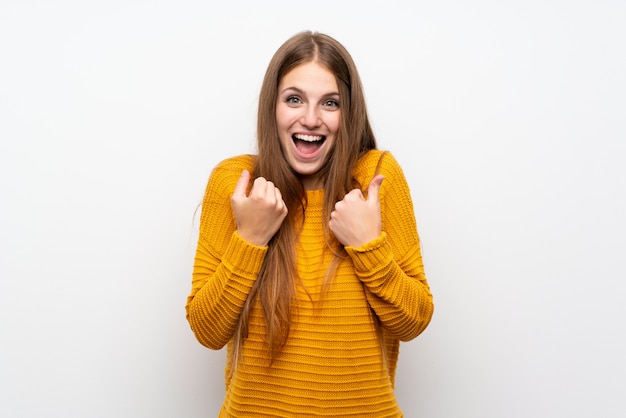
<point x="356" y="220"/>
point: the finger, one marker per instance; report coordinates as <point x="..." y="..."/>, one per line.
<point x="374" y="187"/>
<point x="353" y="194"/>
<point x="259" y="188"/>
<point x="242" y="184"/>
<point x="279" y="196"/>
<point x="282" y="205"/>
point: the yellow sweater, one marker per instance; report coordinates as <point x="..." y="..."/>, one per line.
<point x="332" y="364"/>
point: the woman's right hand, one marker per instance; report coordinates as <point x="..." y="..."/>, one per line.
<point x="260" y="213"/>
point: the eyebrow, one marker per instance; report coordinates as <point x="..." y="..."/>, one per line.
<point x="291" y="88"/>
<point x="297" y="90"/>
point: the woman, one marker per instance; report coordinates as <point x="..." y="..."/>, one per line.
<point x="308" y="265"/>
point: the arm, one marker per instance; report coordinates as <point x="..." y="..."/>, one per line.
<point x="220" y="287"/>
<point x="380" y="236"/>
<point x="225" y="265"/>
<point x="234" y="231"/>
<point x="396" y="290"/>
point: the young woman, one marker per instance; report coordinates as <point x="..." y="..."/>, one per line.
<point x="308" y="265"/>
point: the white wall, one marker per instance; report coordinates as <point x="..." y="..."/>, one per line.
<point x="508" y="118"/>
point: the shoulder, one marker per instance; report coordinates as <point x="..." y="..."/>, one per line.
<point x="236" y="163"/>
<point x="226" y="173"/>
<point x="233" y="166"/>
<point x="376" y="162"/>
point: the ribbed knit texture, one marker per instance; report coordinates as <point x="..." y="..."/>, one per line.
<point x="332" y="364"/>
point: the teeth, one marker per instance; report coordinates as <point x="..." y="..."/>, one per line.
<point x="308" y="138"/>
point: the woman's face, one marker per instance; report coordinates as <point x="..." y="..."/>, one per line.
<point x="308" y="115"/>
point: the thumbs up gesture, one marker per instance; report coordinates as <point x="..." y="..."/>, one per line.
<point x="357" y="220"/>
<point x="260" y="213"/>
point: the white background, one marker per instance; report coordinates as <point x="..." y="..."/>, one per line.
<point x="508" y="118"/>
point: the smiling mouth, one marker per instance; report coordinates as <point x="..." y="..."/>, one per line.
<point x="308" y="144"/>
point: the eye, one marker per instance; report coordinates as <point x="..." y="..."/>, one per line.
<point x="331" y="103"/>
<point x="293" y="100"/>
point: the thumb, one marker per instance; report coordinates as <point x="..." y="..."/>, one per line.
<point x="242" y="184"/>
<point x="374" y="187"/>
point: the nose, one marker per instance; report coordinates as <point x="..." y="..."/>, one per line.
<point x="311" y="117"/>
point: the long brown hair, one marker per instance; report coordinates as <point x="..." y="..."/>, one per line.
<point x="275" y="286"/>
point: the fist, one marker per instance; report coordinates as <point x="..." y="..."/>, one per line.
<point x="356" y="220"/>
<point x="260" y="213"/>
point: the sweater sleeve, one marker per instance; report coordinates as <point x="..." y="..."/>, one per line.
<point x="225" y="266"/>
<point x="390" y="267"/>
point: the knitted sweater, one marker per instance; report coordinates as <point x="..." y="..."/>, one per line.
<point x="333" y="364"/>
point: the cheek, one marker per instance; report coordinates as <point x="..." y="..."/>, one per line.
<point x="284" y="119"/>
<point x="334" y="123"/>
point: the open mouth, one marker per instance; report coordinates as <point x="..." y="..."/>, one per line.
<point x="308" y="144"/>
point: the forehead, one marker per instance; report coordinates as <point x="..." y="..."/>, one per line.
<point x="311" y="75"/>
